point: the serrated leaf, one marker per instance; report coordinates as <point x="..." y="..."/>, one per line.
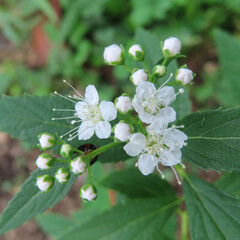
<point x="26" y="117"/>
<point x="138" y="219"/>
<point x="213" y="214"/>
<point x="230" y="183"/>
<point x="132" y="183"/>
<point x="29" y="201"/>
<point x="228" y="50"/>
<point x="213" y="139"/>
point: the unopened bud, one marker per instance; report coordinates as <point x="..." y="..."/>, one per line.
<point x="171" y="47"/>
<point x="138" y="77"/>
<point x="123" y="104"/>
<point x="62" y="175"/>
<point x="122" y="131"/>
<point x="45" y="183"/>
<point x="78" y="165"/>
<point x="66" y="151"/>
<point x="88" y="192"/>
<point x="113" y="55"/>
<point x="159" y="71"/>
<point x="136" y="52"/>
<point x="184" y="75"/>
<point x="46" y="140"/>
<point x="44" y="161"/>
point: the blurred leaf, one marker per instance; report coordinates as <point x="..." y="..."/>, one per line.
<point x="228" y="50"/>
<point x="132" y="183"/>
<point x="29" y="201"/>
<point x="139" y="219"/>
<point x="213" y="214"/>
<point x="230" y="183"/>
<point x="213" y="139"/>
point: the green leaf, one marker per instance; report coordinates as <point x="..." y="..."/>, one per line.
<point x="230" y="183"/>
<point x="26" y="117"/>
<point x="138" y="219"/>
<point x="150" y="45"/>
<point x="213" y="139"/>
<point x="213" y="214"/>
<point x="132" y="183"/>
<point x="29" y="201"/>
<point x="228" y="50"/>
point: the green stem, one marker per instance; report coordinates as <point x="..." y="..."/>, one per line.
<point x="94" y="153"/>
<point x="61" y="160"/>
<point x="165" y="61"/>
<point x="89" y="172"/>
<point x="128" y="68"/>
<point x="145" y="65"/>
<point x="184" y="225"/>
<point x="77" y="150"/>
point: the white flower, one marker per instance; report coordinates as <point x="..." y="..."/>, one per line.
<point x="44" y="161"/>
<point x="46" y="140"/>
<point x="171" y="46"/>
<point x="113" y="54"/>
<point x="45" y="183"/>
<point x="150" y="103"/>
<point x="88" y="192"/>
<point x="78" y="166"/>
<point x="159" y="70"/>
<point x="122" y="131"/>
<point x="136" y="52"/>
<point x="138" y="77"/>
<point x="161" y="146"/>
<point x="62" y="175"/>
<point x="184" y="75"/>
<point x="123" y="104"/>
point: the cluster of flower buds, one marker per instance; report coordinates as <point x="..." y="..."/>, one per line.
<point x="72" y="162"/>
<point x="145" y="120"/>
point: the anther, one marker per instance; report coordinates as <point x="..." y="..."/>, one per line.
<point x="181" y="90"/>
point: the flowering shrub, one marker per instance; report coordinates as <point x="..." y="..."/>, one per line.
<point x="143" y="129"/>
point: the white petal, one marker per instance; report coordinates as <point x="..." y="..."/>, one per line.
<point x="82" y="109"/>
<point x="147" y="163"/>
<point x="103" y="129"/>
<point x="145" y="90"/>
<point x="137" y="143"/>
<point x="157" y="125"/>
<point x="174" y="138"/>
<point x="86" y="130"/>
<point x="91" y="95"/>
<point x="170" y="158"/>
<point x="168" y="113"/>
<point x="166" y="95"/>
<point x="108" y="110"/>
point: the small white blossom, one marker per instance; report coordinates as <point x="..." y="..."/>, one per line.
<point x="88" y="192"/>
<point x="184" y="75"/>
<point x="171" y="46"/>
<point x="136" y="52"/>
<point x="62" y="175"/>
<point x="138" y="77"/>
<point x="78" y="166"/>
<point x="46" y="140"/>
<point x="123" y="104"/>
<point x="45" y="183"/>
<point x="150" y="103"/>
<point x="113" y="54"/>
<point x="122" y="131"/>
<point x="44" y="161"/>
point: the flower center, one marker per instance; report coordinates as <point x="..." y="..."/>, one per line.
<point x="90" y="112"/>
<point x="151" y="105"/>
<point x="155" y="145"/>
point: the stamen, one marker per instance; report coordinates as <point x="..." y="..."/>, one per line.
<point x="174" y="126"/>
<point x="63" y="118"/>
<point x="183" y="166"/>
<point x="72" y="134"/>
<point x="75" y="97"/>
<point x="166" y="81"/>
<point x="73" y="89"/>
<point x="160" y="172"/>
<point x="64" y="97"/>
<point x="185" y="144"/>
<point x="180" y="91"/>
<point x="71" y="138"/>
<point x="63" y="110"/>
<point x="178" y="180"/>
<point x="136" y="164"/>
<point x="75" y="121"/>
<point x="68" y="132"/>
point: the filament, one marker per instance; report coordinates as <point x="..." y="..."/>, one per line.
<point x="160" y="172"/>
<point x="178" y="180"/>
<point x="68" y="132"/>
<point x="64" y="97"/>
<point x="64" y="118"/>
<point x="81" y="97"/>
<point x="166" y="81"/>
<point x="63" y="110"/>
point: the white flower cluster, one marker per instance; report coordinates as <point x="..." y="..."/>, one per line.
<point x="147" y="134"/>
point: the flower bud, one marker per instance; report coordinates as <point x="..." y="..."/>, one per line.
<point x="62" y="175"/>
<point x="66" y="151"/>
<point x="184" y="75"/>
<point x="171" y="47"/>
<point x="123" y="104"/>
<point x="122" y="131"/>
<point x="44" y="161"/>
<point x="78" y="166"/>
<point x="138" y="77"/>
<point x="46" y="140"/>
<point x="113" y="55"/>
<point x="45" y="182"/>
<point x="88" y="192"/>
<point x="159" y="71"/>
<point x="136" y="52"/>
